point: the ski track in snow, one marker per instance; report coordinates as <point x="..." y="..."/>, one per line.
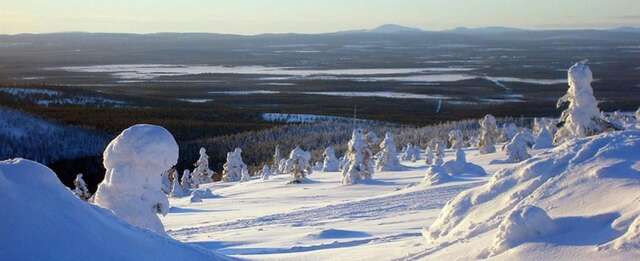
<point x="368" y="209"/>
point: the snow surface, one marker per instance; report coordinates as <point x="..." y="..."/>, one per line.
<point x="320" y="219"/>
<point x="589" y="188"/>
<point x="43" y="220"/>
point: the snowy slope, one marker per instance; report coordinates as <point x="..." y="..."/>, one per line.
<point x="320" y="220"/>
<point x="43" y="220"/>
<point x="587" y="196"/>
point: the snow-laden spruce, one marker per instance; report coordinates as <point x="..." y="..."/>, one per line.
<point x="410" y="152"/>
<point x="588" y="188"/>
<point x="488" y="134"/>
<point x="202" y="174"/>
<point x="134" y="162"/>
<point x="436" y="175"/>
<point x="277" y="161"/>
<point x="359" y="164"/>
<point x="185" y="181"/>
<point x="509" y="130"/>
<point x="455" y="139"/>
<point x="299" y="165"/>
<point x="265" y="173"/>
<point x="81" y="189"/>
<point x="516" y="149"/>
<point x="330" y="162"/>
<point x="177" y="191"/>
<point x="388" y="156"/>
<point x="638" y="118"/>
<point x="232" y="169"/>
<point x="582" y="117"/>
<point x="460" y="167"/>
<point x="544" y="140"/>
<point x="43" y="220"/>
<point x="166" y="180"/>
<point x="244" y="175"/>
<point x="429" y="156"/>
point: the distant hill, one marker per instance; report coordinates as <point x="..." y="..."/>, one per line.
<point x="394" y="28"/>
<point x="486" y="30"/>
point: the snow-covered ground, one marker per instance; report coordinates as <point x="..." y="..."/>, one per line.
<point x="322" y="219"/>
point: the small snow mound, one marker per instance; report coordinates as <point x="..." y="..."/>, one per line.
<point x="338" y="233"/>
<point x="522" y="225"/>
<point x="43" y="220"/>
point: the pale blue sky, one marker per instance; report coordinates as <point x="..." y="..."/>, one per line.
<point x="263" y="16"/>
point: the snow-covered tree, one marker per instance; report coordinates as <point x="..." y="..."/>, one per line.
<point x="131" y="188"/>
<point x="388" y="157"/>
<point x="439" y="151"/>
<point x="372" y="139"/>
<point x="277" y="160"/>
<point x="429" y="156"/>
<point x="244" y="174"/>
<point x="544" y="139"/>
<point x="516" y="149"/>
<point x="299" y="165"/>
<point x="186" y="179"/>
<point x="266" y="172"/>
<point x="166" y="180"/>
<point x="455" y="139"/>
<point x="330" y="163"/>
<point x="509" y="130"/>
<point x="232" y="169"/>
<point x="460" y="166"/>
<point x="81" y="189"/>
<point x="177" y="190"/>
<point x="582" y="117"/>
<point x="360" y="164"/>
<point x="488" y="134"/>
<point x="410" y="152"/>
<point x="436" y="174"/>
<point x="202" y="174"/>
<point x="638" y="118"/>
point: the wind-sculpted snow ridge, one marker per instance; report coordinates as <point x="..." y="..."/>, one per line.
<point x="43" y="220"/>
<point x="588" y="188"/>
<point x="372" y="209"/>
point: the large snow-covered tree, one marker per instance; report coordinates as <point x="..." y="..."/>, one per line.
<point x="131" y="188"/>
<point x="232" y="169"/>
<point x="488" y="134"/>
<point x="359" y="164"/>
<point x="166" y="180"/>
<point x="388" y="156"/>
<point x="516" y="149"/>
<point x="410" y="152"/>
<point x="299" y="165"/>
<point x="81" y="189"/>
<point x="202" y="174"/>
<point x="582" y="117"/>
<point x="330" y="162"/>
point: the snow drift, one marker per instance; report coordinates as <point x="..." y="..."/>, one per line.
<point x="589" y="188"/>
<point x="43" y="220"/>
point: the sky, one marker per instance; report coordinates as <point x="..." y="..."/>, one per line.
<point x="306" y="16"/>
